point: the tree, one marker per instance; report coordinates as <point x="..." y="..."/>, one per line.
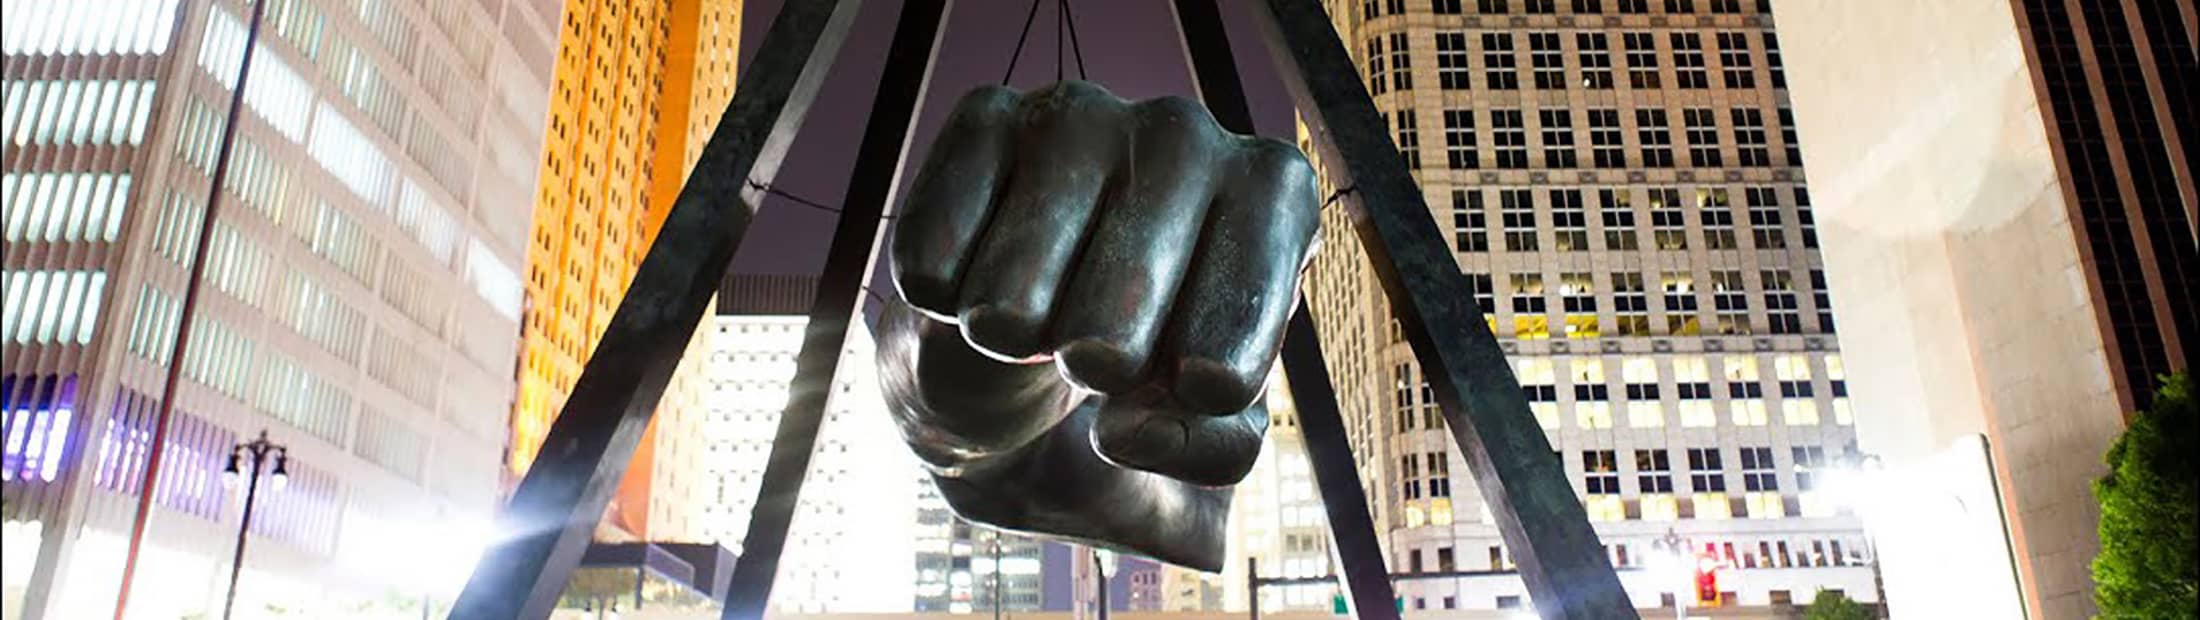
<point x="2146" y="567"/>
<point x="1831" y="605"/>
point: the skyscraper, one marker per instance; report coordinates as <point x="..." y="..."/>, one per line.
<point x="853" y="545"/>
<point x="638" y="89"/>
<point x="1622" y="186"/>
<point x="360" y="303"/>
<point x="2008" y="200"/>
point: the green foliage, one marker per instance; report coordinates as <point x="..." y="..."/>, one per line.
<point x="2146" y="568"/>
<point x="1831" y="605"/>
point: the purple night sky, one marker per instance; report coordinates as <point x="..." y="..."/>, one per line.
<point x="1129" y="47"/>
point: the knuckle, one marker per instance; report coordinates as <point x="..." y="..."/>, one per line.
<point x="924" y="289"/>
<point x="1108" y="367"/>
<point x="1214" y="387"/>
<point x="1002" y="331"/>
<point x="1277" y="159"/>
<point x="1174" y="111"/>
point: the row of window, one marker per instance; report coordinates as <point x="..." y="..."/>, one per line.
<point x="52" y="27"/>
<point x="1389" y="61"/>
<point x="1642" y="392"/>
<point x="47" y="306"/>
<point x="76" y="112"/>
<point x="1519" y="215"/>
<point x="1632" y="316"/>
<point x="55" y="207"/>
<point x="275" y="93"/>
<point x="1371" y="9"/>
<point x="1507" y="131"/>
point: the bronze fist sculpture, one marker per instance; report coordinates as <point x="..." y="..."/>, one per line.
<point x="1099" y="288"/>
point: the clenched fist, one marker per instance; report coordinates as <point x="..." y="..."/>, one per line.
<point x="1099" y="289"/>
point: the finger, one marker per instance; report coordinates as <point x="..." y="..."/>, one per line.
<point x="1140" y="247"/>
<point x="955" y="407"/>
<point x="950" y="198"/>
<point x="1149" y="430"/>
<point x="1067" y="143"/>
<point x="1224" y="335"/>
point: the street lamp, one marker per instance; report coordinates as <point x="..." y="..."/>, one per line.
<point x="1844" y="481"/>
<point x="1674" y="564"/>
<point x="258" y="451"/>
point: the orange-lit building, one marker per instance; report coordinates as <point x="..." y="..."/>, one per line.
<point x="639" y="86"/>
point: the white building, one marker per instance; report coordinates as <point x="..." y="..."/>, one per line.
<point x="1277" y="520"/>
<point x="852" y="546"/>
<point x="1622" y="185"/>
<point x="361" y="299"/>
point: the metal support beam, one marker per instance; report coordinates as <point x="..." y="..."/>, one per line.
<point x="856" y="239"/>
<point x="1541" y="520"/>
<point x="547" y="525"/>
<point x="1351" y="530"/>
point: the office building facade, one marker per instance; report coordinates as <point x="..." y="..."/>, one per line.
<point x="854" y="546"/>
<point x="360" y="304"/>
<point x="1622" y="187"/>
<point x="1277" y="523"/>
<point x="638" y="89"/>
<point x="2008" y="216"/>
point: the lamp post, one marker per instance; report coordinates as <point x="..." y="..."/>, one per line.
<point x="1847" y="470"/>
<point x="258" y="452"/>
<point x="1677" y="547"/>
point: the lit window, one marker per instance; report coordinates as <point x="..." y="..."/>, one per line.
<point x="63" y="207"/>
<point x="1662" y="507"/>
<point x="52" y="306"/>
<point x="87" y="27"/>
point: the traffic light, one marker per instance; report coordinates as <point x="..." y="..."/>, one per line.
<point x="1707" y="580"/>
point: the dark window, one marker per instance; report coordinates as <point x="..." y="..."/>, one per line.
<point x="1734" y="60"/>
<point x="1706" y="474"/>
<point x="1459" y="142"/>
<point x="1617" y="210"/>
<point x="1509" y="137"/>
<point x="1451" y="61"/>
<point x="1548" y="60"/>
<point x="1401" y="61"/>
<point x="1569" y="222"/>
<point x="1469" y="222"/>
<point x="1750" y="144"/>
<point x="1758" y="473"/>
<point x="1499" y="68"/>
<point x="1703" y="138"/>
<point x="1595" y="50"/>
<point x="1558" y="137"/>
<point x="1642" y="59"/>
<point x="1606" y="148"/>
<point x="1653" y="472"/>
<point x="1688" y="63"/>
<point x="1656" y="135"/>
<point x="1516" y="211"/>
<point x="1409" y="138"/>
<point x="1600" y="472"/>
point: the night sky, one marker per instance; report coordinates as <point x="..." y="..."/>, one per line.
<point x="1130" y="47"/>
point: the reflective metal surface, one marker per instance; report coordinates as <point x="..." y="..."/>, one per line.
<point x="1100" y="288"/>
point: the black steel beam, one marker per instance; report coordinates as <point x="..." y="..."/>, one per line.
<point x="856" y="239"/>
<point x="1329" y="452"/>
<point x="1537" y="513"/>
<point x="546" y="527"/>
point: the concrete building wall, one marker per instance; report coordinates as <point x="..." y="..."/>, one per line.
<point x="1621" y="185"/>
<point x="1954" y="243"/>
<point x="361" y="298"/>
